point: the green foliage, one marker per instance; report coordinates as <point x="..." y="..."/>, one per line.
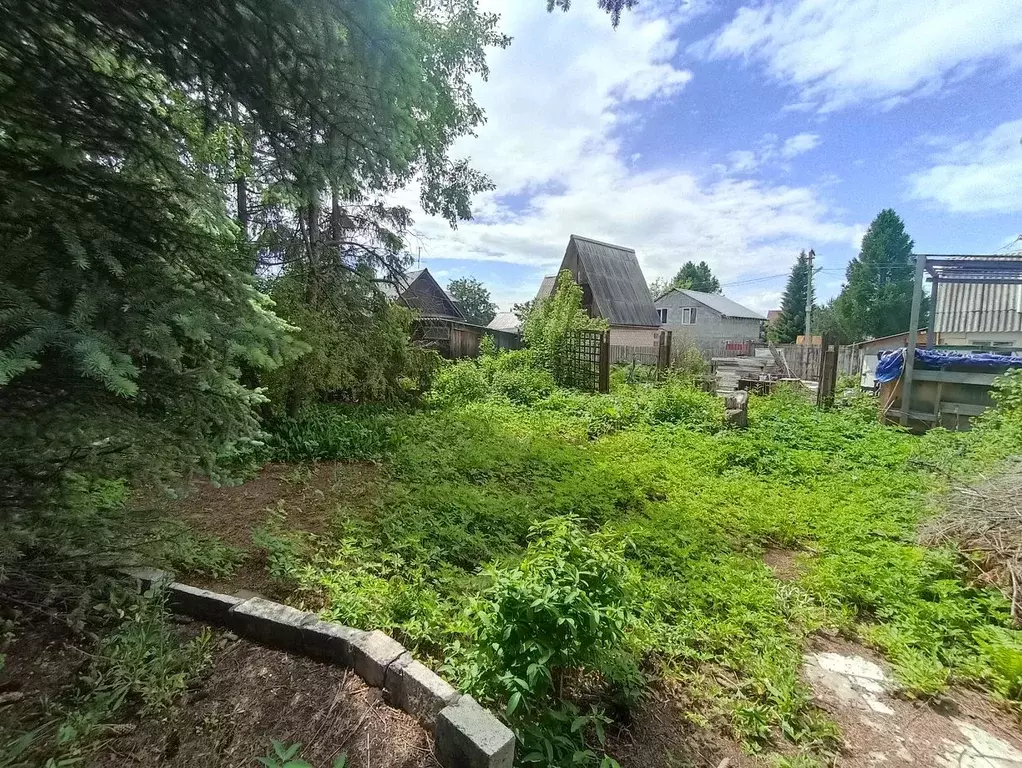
<point x="466" y="483"/>
<point x="188" y="552"/>
<point x="1007" y="392"/>
<point x="459" y="383"/>
<point x="287" y="756"/>
<point x="876" y="299"/>
<point x="357" y="344"/>
<point x="473" y="300"/>
<point x="563" y="608"/>
<point x="696" y="277"/>
<point x="350" y="433"/>
<point x="792" y="322"/>
<point x="548" y="328"/>
<point x="513" y="375"/>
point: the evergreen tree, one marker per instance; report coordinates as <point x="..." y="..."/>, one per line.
<point x="133" y="333"/>
<point x="696" y="277"/>
<point x="876" y="299"/>
<point x="473" y="299"/>
<point x="792" y="322"/>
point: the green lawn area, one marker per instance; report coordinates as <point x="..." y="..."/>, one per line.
<point x="693" y="507"/>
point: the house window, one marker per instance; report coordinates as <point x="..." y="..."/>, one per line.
<point x="688" y="316"/>
<point x="663" y="316"/>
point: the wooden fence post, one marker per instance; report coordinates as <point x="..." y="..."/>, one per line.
<point x="828" y="372"/>
<point x="604" y="378"/>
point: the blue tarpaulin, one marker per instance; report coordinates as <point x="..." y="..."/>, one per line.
<point x="893" y="362"/>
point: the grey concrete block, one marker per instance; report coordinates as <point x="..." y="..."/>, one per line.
<point x="393" y="680"/>
<point x="270" y="623"/>
<point x="147" y="578"/>
<point x="200" y="603"/>
<point x="469" y="736"/>
<point x="419" y="691"/>
<point x="372" y="652"/>
<point x="330" y="642"/>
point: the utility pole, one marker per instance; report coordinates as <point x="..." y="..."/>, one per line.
<point x="809" y="298"/>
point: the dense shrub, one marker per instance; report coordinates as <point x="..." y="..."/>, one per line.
<point x="548" y="328"/>
<point x="563" y="608"/>
<point x="459" y="383"/>
<point x="348" y="433"/>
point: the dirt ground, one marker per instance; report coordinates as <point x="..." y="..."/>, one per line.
<point x="253" y="694"/>
<point x="880" y="727"/>
<point x="659" y="735"/>
<point x="309" y="493"/>
<point x="312" y="496"/>
<point x="782" y="563"/>
<point x="248" y="695"/>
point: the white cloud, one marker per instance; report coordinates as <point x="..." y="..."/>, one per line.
<point x="979" y="175"/>
<point x="559" y="102"/>
<point x="861" y="51"/>
<point x="771" y="150"/>
<point x="800" y="144"/>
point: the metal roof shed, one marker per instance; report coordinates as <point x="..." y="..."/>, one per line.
<point x="950" y="269"/>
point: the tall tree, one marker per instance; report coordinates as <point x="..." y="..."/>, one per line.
<point x="613" y="7"/>
<point x="129" y="312"/>
<point x="876" y="299"/>
<point x="792" y="322"/>
<point x="696" y="277"/>
<point x="473" y="299"/>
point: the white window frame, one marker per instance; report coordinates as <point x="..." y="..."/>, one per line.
<point x="663" y="315"/>
<point x="688" y="315"/>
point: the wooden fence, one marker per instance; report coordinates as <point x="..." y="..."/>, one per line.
<point x="805" y="362"/>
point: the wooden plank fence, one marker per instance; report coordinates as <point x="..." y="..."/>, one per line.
<point x="804" y="362"/>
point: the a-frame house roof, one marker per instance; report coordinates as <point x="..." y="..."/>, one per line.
<point x="613" y="277"/>
<point x="420" y="291"/>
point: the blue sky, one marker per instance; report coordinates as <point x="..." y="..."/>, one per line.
<point x="739" y="133"/>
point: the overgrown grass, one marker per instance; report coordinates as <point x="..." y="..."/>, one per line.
<point x="467" y="480"/>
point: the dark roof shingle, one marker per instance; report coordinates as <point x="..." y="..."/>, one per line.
<point x="619" y="289"/>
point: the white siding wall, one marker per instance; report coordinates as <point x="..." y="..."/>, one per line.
<point x="710" y="327"/>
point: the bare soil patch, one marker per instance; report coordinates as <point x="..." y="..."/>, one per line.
<point x="781" y="562"/>
<point x="879" y="727"/>
<point x="42" y="662"/>
<point x="659" y="734"/>
<point x="252" y="694"/>
<point x="310" y="494"/>
<point x="248" y="695"/>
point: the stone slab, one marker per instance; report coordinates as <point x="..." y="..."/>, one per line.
<point x="418" y="691"/>
<point x="147" y="578"/>
<point x="469" y="736"/>
<point x="330" y="642"/>
<point x="270" y="623"/>
<point x="200" y="603"/>
<point x="372" y="652"/>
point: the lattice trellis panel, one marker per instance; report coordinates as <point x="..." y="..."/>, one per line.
<point x="585" y="349"/>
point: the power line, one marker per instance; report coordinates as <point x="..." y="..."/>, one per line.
<point x="754" y="280"/>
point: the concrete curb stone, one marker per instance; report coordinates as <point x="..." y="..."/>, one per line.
<point x="469" y="736"/>
<point x="466" y="734"/>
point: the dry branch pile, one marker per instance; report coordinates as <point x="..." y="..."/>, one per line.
<point x="985" y="522"/>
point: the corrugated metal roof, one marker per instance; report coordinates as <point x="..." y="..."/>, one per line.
<point x="978" y="308"/>
<point x="505" y="321"/>
<point x="615" y="278"/>
<point x="719" y="303"/>
<point x="546" y="288"/>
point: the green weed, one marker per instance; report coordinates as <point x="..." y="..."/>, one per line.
<point x="469" y="479"/>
